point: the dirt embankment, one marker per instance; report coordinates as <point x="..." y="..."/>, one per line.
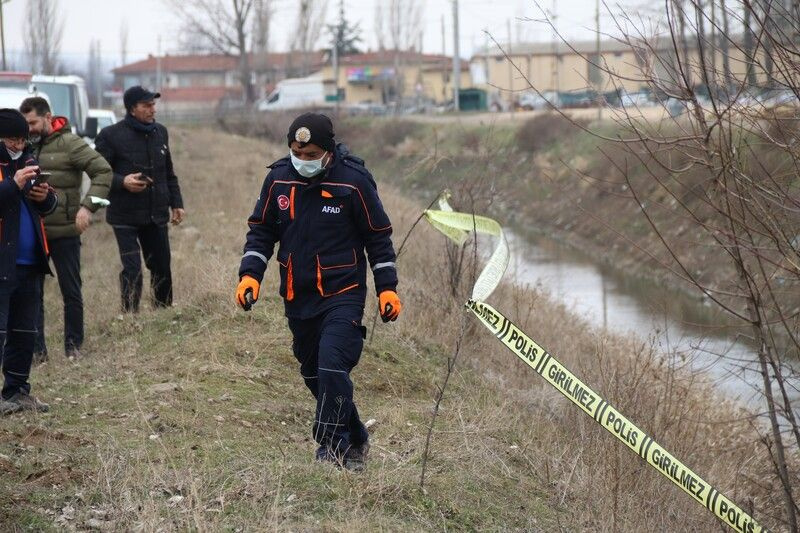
<point x="546" y="176"/>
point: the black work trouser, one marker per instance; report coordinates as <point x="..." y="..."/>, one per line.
<point x="328" y="347"/>
<point x="152" y="241"/>
<point x="19" y="309"/>
<point x="66" y="256"/>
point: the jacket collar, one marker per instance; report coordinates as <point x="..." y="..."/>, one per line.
<point x="58" y="126"/>
<point x="24" y="160"/>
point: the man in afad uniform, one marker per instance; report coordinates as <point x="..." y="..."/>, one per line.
<point x="321" y="205"/>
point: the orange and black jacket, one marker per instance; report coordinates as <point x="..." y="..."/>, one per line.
<point x="323" y="225"/>
<point x="10" y="199"/>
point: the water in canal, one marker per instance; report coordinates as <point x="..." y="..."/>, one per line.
<point x="676" y="321"/>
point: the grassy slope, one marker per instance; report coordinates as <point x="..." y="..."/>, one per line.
<point x="230" y="447"/>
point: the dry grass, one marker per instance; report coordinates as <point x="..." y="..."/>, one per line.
<point x="229" y="448"/>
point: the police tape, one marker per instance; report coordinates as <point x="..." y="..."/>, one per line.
<point x="457" y="226"/>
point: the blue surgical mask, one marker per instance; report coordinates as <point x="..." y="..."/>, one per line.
<point x="308" y="169"/>
<point x="14" y="154"/>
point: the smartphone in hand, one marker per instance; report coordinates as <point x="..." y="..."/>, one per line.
<point x="41" y="178"/>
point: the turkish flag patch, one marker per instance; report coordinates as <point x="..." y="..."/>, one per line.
<point x="283" y="202"/>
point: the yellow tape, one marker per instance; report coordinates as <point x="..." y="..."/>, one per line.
<point x="612" y="420"/>
<point x="456" y="226"/>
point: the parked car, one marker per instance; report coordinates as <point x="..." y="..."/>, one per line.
<point x="637" y="99"/>
<point x="530" y="100"/>
<point x="105" y="118"/>
<point x="779" y="97"/>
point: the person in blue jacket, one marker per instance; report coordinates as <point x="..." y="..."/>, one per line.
<point x="321" y="205"/>
<point x="23" y="260"/>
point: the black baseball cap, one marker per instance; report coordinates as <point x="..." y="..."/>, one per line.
<point x="137" y="93"/>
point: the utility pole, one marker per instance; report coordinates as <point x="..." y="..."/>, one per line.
<point x="486" y="55"/>
<point x="510" y="71"/>
<point x="554" y="72"/>
<point x="456" y="60"/>
<point x="158" y="65"/>
<point x="599" y="60"/>
<point x="444" y="63"/>
<point x="2" y="33"/>
<point x="337" y="43"/>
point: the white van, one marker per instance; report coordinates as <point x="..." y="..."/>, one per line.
<point x="298" y="93"/>
<point x="66" y="94"/>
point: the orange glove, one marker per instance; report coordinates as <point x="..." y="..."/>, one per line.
<point x="247" y="292"/>
<point x="389" y="305"/>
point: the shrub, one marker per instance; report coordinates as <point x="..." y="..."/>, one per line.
<point x="543" y="130"/>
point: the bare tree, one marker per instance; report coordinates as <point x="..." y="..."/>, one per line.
<point x="221" y="26"/>
<point x="44" y="28"/>
<point x="263" y="10"/>
<point x="308" y="30"/>
<point x="726" y="171"/>
<point x="123" y="41"/>
<point x="404" y="30"/>
<point x="94" y="74"/>
<point x="724" y="46"/>
<point x="380" y="26"/>
<point x="749" y="42"/>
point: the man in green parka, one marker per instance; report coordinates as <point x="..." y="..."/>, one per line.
<point x="66" y="156"/>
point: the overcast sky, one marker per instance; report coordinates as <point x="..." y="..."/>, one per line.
<point x="149" y="19"/>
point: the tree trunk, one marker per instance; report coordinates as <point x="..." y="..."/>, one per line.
<point x="684" y="43"/>
<point x="725" y="47"/>
<point x="788" y="499"/>
<point x="245" y="73"/>
<point x="748" y="44"/>
<point x="702" y="45"/>
<point x="761" y="337"/>
<point x="768" y="33"/>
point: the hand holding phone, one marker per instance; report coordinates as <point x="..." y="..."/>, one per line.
<point x="41" y="178"/>
<point x="136" y="182"/>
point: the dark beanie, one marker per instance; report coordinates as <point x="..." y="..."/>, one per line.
<point x="12" y="124"/>
<point x="314" y="128"/>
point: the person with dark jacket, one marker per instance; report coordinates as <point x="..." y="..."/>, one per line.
<point x="22" y="262"/>
<point x="66" y="157"/>
<point x="321" y="205"/>
<point x="144" y="190"/>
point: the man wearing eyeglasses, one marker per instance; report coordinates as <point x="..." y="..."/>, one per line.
<point x="23" y="260"/>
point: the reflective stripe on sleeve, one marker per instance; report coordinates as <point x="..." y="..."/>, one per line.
<point x="256" y="254"/>
<point x="382" y="265"/>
